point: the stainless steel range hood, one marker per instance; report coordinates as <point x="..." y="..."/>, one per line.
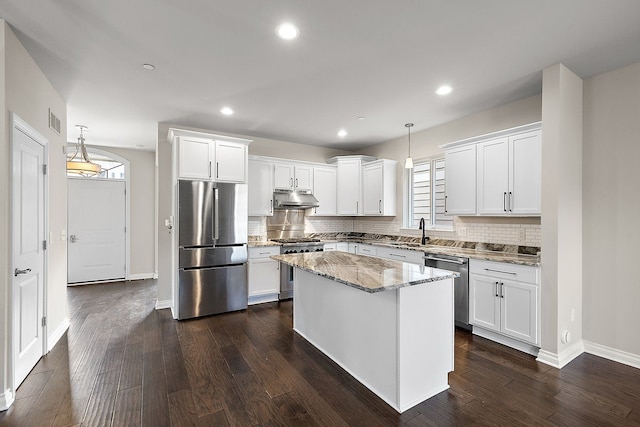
<point x="292" y="199"/>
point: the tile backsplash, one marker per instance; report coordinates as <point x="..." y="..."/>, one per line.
<point x="508" y="231"/>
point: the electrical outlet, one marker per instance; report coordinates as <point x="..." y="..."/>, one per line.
<point x="522" y="234"/>
<point x="462" y="232"/>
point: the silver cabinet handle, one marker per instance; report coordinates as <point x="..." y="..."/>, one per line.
<point x="495" y="287"/>
<point x="209" y="169"/>
<point x="510" y="201"/>
<point x="501" y="290"/>
<point x="399" y="256"/>
<point x="504" y="201"/>
<point x="445" y="204"/>
<point x="296" y="182"/>
<point x="73" y="238"/>
<point x="503" y="272"/>
<point x="17" y="271"/>
<point x="271" y="206"/>
<point x="290" y="182"/>
<point x="357" y="208"/>
<point x="217" y="170"/>
<point x="215" y="214"/>
<point x="379" y="206"/>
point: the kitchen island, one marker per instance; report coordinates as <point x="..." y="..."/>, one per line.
<point x="388" y="323"/>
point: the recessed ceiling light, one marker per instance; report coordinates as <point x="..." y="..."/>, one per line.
<point x="149" y="67"/>
<point x="226" y="111"/>
<point x="139" y="146"/>
<point x="361" y="118"/>
<point x="444" y="90"/>
<point x="342" y="133"/>
<point x="287" y="31"/>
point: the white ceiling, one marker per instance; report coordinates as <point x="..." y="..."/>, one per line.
<point x="379" y="59"/>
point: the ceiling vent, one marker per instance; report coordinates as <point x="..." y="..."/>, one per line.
<point x="54" y="122"/>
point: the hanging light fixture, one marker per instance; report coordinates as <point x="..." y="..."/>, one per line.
<point x="408" y="164"/>
<point x="79" y="163"/>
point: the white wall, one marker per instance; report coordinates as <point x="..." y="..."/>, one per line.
<point x="28" y="93"/>
<point x="611" y="175"/>
<point x="561" y="211"/>
<point x="142" y="209"/>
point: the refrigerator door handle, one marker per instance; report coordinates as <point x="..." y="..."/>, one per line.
<point x="215" y="214"/>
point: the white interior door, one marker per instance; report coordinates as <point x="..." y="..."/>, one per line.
<point x="96" y="223"/>
<point x="28" y="224"/>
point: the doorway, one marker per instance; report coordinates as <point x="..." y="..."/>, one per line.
<point x="28" y="245"/>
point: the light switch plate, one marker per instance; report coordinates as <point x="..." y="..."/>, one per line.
<point x="522" y="235"/>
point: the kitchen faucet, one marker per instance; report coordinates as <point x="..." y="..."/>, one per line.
<point x="422" y="227"/>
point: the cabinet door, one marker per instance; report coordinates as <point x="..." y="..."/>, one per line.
<point x="195" y="157"/>
<point x="283" y="176"/>
<point x="260" y="183"/>
<point x="303" y="179"/>
<point x="519" y="311"/>
<point x="484" y="302"/>
<point x="349" y="187"/>
<point x="353" y="248"/>
<point x="372" y="193"/>
<point x="324" y="189"/>
<point x="460" y="186"/>
<point x="493" y="177"/>
<point x="525" y="166"/>
<point x="264" y="277"/>
<point x="231" y="162"/>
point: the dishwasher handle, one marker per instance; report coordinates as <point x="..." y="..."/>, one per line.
<point x="452" y="261"/>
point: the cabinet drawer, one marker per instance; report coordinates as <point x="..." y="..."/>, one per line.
<point x="505" y="270"/>
<point x="414" y="257"/>
<point x="263" y="252"/>
<point x="330" y="247"/>
<point x="367" y="250"/>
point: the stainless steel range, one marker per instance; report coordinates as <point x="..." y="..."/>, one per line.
<point x="287" y="227"/>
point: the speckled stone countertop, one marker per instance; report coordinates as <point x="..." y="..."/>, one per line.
<point x="366" y="273"/>
<point x="522" y="255"/>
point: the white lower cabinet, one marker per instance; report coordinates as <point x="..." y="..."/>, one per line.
<point x="342" y="247"/>
<point x="328" y="247"/>
<point x="413" y="257"/>
<point x="264" y="274"/>
<point x="505" y="299"/>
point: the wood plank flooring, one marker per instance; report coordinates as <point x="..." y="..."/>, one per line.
<point x="122" y="363"/>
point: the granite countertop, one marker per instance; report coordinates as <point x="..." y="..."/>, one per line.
<point x="369" y="274"/>
<point x="262" y="243"/>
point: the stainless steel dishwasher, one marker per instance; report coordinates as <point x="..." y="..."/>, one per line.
<point x="461" y="284"/>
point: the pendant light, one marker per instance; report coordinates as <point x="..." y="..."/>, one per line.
<point x="408" y="164"/>
<point x="79" y="163"/>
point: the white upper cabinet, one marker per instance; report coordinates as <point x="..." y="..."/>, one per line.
<point x="460" y="180"/>
<point x="509" y="175"/>
<point x="289" y="176"/>
<point x="349" y="187"/>
<point x="495" y="175"/>
<point x="324" y="189"/>
<point x="195" y="158"/>
<point x="209" y="157"/>
<point x="260" y="183"/>
<point x="525" y="177"/>
<point x="231" y="162"/>
<point x="379" y="188"/>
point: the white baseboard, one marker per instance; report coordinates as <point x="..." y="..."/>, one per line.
<point x="561" y="359"/>
<point x="163" y="304"/>
<point x="142" y="276"/>
<point x="262" y="298"/>
<point x="613" y="354"/>
<point x="57" y="334"/>
<point x="6" y="400"/>
<point x="509" y="342"/>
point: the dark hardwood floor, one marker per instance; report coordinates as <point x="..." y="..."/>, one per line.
<point x="123" y="363"/>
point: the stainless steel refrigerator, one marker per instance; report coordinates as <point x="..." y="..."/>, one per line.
<point x="212" y="248"/>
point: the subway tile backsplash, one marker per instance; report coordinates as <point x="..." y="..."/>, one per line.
<point x="524" y="234"/>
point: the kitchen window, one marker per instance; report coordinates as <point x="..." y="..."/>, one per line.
<point x="425" y="195"/>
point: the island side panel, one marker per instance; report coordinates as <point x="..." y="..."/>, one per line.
<point x="426" y="341"/>
<point x="356" y="329"/>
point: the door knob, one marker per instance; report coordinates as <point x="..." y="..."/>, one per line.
<point x="17" y="271"/>
<point x="73" y="238"/>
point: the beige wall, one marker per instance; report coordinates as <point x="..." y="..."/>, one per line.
<point x="561" y="210"/>
<point x="611" y="205"/>
<point x="29" y="94"/>
<point x="142" y="209"/>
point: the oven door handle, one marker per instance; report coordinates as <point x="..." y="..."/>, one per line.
<point x="451" y="261"/>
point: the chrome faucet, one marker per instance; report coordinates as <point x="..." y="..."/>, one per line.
<point x="422" y="227"/>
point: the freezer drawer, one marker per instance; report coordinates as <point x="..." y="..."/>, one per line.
<point x="212" y="256"/>
<point x="205" y="291"/>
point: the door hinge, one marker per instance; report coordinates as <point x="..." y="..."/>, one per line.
<point x="44" y="168"/>
<point x="44" y="245"/>
<point x="44" y="321"/>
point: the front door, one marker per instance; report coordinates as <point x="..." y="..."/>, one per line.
<point x="96" y="223"/>
<point x="28" y="225"/>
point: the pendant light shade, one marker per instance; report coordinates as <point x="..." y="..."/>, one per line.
<point x="408" y="164"/>
<point x="79" y="163"/>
